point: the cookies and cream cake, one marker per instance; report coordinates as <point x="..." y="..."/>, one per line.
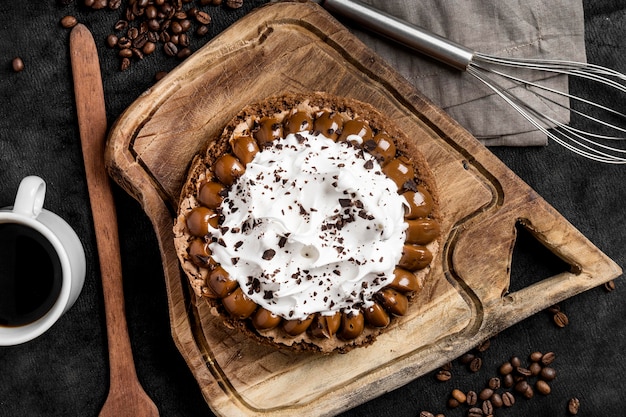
<point x="309" y="223"/>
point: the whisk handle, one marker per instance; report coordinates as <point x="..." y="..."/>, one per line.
<point x="414" y="37"/>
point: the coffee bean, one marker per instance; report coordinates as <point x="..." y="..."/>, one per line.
<point x="159" y="75"/>
<point x="115" y="4"/>
<point x="170" y="49"/>
<point x="234" y="4"/>
<point x="426" y="414"/>
<point x="140" y="41"/>
<point x="475" y="412"/>
<point x="484" y="346"/>
<point x="573" y="406"/>
<point x="203" y="18"/>
<point x="148" y="48"/>
<point x="548" y="358"/>
<point x="183" y="53"/>
<point x="525" y="372"/>
<point x="89" y="3"/>
<point x="547" y="374"/>
<point x="506" y="368"/>
<point x="202" y="30"/>
<point x="554" y="309"/>
<point x="17" y="64"/>
<point x="609" y="286"/>
<point x="507" y="381"/>
<point x="183" y="40"/>
<point x="494" y="383"/>
<point x="124" y="43"/>
<point x="125" y="53"/>
<point x="452" y="403"/>
<point x="536" y="356"/>
<point x="467" y="358"/>
<point x="496" y="400"/>
<point x="69" y="22"/>
<point x="529" y="393"/>
<point x="485" y="394"/>
<point x="471" y="398"/>
<point x="459" y="395"/>
<point x="516" y="362"/>
<point x="121" y="25"/>
<point x="112" y="41"/>
<point x="137" y="52"/>
<point x="132" y="33"/>
<point x="542" y="387"/>
<point x="487" y="408"/>
<point x="508" y="399"/>
<point x="535" y="368"/>
<point x="475" y="364"/>
<point x="521" y="386"/>
<point x="99" y="4"/>
<point x="443" y="375"/>
<point x="125" y="64"/>
<point x="447" y="366"/>
<point x="560" y="319"/>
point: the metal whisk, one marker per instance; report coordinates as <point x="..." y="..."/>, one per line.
<point x="489" y="69"/>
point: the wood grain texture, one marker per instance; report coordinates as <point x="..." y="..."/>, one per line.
<point x="298" y="47"/>
<point x="126" y="395"/>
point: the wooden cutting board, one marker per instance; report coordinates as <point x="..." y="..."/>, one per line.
<point x="299" y="47"/>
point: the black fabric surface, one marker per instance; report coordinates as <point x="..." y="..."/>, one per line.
<point x="64" y="372"/>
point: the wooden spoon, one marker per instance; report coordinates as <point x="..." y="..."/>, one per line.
<point x="126" y="396"/>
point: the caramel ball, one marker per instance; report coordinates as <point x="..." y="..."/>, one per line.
<point x="376" y="316"/>
<point x="296" y="327"/>
<point x="264" y="319"/>
<point x="200" y="254"/>
<point x="420" y="203"/>
<point x="269" y="128"/>
<point x="415" y="257"/>
<point x="355" y="127"/>
<point x="238" y="305"/>
<point x="221" y="283"/>
<point x="405" y="281"/>
<point x="227" y="169"/>
<point x="244" y="148"/>
<point x="400" y="170"/>
<point x="352" y="325"/>
<point x="211" y="194"/>
<point x="393" y="301"/>
<point x="325" y="327"/>
<point x="328" y="124"/>
<point x="381" y="147"/>
<point x="297" y="122"/>
<point x="199" y="219"/>
<point x="422" y="231"/>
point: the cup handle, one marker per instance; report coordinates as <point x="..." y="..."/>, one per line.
<point x="30" y="196"/>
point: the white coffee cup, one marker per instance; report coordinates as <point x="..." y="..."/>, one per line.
<point x="28" y="225"/>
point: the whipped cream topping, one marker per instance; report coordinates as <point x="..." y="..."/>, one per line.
<point x="312" y="226"/>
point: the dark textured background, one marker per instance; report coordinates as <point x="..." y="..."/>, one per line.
<point x="64" y="372"/>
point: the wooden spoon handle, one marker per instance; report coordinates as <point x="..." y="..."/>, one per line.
<point x="92" y="125"/>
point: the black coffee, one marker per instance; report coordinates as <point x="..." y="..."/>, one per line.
<point x="30" y="275"/>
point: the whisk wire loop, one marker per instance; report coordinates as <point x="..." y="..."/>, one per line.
<point x="484" y="67"/>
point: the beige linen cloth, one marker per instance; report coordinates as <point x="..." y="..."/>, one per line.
<point x="508" y="28"/>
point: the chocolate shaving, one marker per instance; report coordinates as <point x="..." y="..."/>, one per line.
<point x="269" y="254"/>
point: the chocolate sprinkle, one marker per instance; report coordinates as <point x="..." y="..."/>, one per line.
<point x="269" y="254"/>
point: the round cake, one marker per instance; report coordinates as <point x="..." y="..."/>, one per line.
<point x="309" y="223"/>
